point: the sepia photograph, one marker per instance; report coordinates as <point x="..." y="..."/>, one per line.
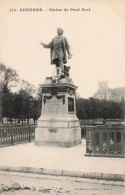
<point x="62" y="97"/>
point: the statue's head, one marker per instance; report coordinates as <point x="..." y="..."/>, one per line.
<point x="59" y="31"/>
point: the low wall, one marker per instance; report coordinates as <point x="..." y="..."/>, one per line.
<point x="105" y="141"/>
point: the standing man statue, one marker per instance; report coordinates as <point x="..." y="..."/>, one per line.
<point x="58" y="46"/>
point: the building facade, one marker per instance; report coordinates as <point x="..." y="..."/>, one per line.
<point x="104" y="92"/>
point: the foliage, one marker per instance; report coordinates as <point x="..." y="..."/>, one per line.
<point x="21" y="105"/>
<point x="92" y="109"/>
<point x="8" y="76"/>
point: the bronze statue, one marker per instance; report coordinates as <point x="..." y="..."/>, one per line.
<point x="59" y="46"/>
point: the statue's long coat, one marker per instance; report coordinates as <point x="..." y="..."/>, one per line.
<point x="66" y="47"/>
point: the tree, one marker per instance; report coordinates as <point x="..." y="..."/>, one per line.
<point x="80" y="109"/>
<point x="36" y="109"/>
<point x="26" y="86"/>
<point x="7" y="103"/>
<point x="92" y="109"/>
<point x="8" y="78"/>
<point x="24" y="101"/>
<point x="26" y="106"/>
<point x="22" y="105"/>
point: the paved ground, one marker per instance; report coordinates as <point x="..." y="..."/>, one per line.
<point x="48" y="157"/>
<point x="32" y="184"/>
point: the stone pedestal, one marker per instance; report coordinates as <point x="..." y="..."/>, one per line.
<point x="58" y="124"/>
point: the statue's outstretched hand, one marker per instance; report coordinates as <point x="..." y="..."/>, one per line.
<point x="69" y="56"/>
<point x="42" y="43"/>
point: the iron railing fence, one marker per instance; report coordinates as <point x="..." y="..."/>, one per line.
<point x="14" y="134"/>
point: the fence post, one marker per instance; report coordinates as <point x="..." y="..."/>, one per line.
<point x="29" y="134"/>
<point x="12" y="135"/>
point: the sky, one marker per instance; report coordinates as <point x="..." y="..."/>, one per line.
<point x="96" y="38"/>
